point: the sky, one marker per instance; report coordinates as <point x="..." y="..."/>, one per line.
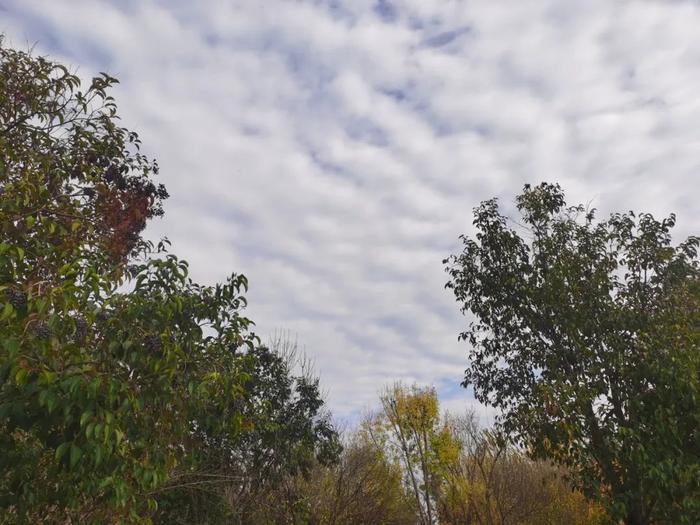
<point x="333" y="151"/>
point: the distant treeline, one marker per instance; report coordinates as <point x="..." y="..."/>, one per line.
<point x="407" y="464"/>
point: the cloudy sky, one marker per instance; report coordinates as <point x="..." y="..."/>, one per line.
<point x="332" y="151"/>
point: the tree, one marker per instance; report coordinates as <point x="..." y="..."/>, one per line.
<point x="412" y="417"/>
<point x="255" y="474"/>
<point x="120" y="377"/>
<point x="75" y="194"/>
<point x="466" y="474"/>
<point x="585" y="337"/>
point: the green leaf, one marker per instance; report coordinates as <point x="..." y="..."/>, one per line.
<point x="47" y="376"/>
<point x="85" y="417"/>
<point x="21" y="376"/>
<point x="75" y="454"/>
<point x="106" y="482"/>
<point x="61" y="450"/>
<point x="89" y="429"/>
<point x="50" y="401"/>
<point x="6" y="311"/>
<point x="12" y="346"/>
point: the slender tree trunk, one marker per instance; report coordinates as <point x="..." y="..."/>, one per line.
<point x="422" y="442"/>
<point x="409" y="465"/>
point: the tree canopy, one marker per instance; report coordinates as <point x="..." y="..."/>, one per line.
<point x="120" y="377"/>
<point x="584" y="334"/>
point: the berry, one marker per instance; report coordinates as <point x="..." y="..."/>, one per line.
<point x="81" y="328"/>
<point x="114" y="175"/>
<point x="42" y="330"/>
<point x="17" y="298"/>
<point x="153" y="344"/>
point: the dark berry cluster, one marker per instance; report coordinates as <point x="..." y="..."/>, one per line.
<point x="17" y="298"/>
<point x="103" y="316"/>
<point x="81" y="328"/>
<point x="42" y="330"/>
<point x="153" y="344"/>
<point x="115" y="175"/>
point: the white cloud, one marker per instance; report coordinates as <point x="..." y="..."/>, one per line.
<point x="333" y="153"/>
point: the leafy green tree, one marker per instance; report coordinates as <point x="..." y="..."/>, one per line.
<point x="75" y="194"/>
<point x="256" y="473"/>
<point x="120" y="377"/>
<point x="99" y="392"/>
<point x="585" y="336"/>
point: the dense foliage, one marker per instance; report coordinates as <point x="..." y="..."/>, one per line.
<point x="75" y="183"/>
<point x="586" y="335"/>
<point x="242" y="476"/>
<point x="120" y="378"/>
